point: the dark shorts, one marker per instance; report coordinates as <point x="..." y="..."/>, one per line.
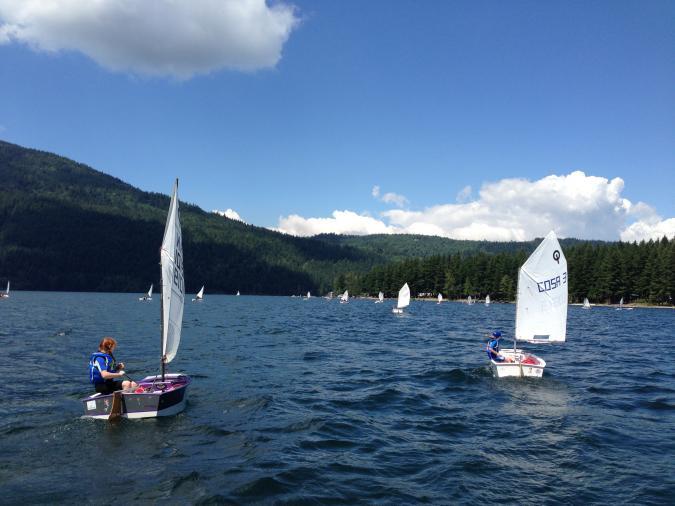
<point x="108" y="387"/>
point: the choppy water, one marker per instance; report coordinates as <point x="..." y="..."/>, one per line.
<point x="315" y="402"/>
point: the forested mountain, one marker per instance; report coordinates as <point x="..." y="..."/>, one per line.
<point x="66" y="226"/>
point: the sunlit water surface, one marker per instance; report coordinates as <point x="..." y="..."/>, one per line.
<point x="316" y="402"/>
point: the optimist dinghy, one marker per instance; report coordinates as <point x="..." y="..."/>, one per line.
<point x="148" y="296"/>
<point x="200" y="295"/>
<point x="541" y="309"/>
<point x="5" y="294"/>
<point x="344" y="298"/>
<point x="440" y="298"/>
<point x="403" y="299"/>
<point x="380" y="298"/>
<point x="165" y="394"/>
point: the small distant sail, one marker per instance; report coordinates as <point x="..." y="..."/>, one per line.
<point x="200" y="294"/>
<point x="587" y="305"/>
<point x="7" y="290"/>
<point x="469" y="300"/>
<point x="309" y="295"/>
<point x="440" y="298"/>
<point x="487" y="300"/>
<point x="344" y="297"/>
<point x="380" y="297"/>
<point x="403" y="297"/>
<point x="620" y="302"/>
<point x="329" y="295"/>
<point x="150" y="292"/>
<point x="238" y="294"/>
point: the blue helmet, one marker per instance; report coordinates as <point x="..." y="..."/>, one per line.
<point x="496" y="334"/>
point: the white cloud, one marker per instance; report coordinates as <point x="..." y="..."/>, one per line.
<point x="574" y="205"/>
<point x="228" y="213"/>
<point x="648" y="224"/>
<point x="341" y="222"/>
<point x="464" y="195"/>
<point x="154" y="37"/>
<point x="389" y="198"/>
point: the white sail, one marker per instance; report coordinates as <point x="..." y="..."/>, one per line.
<point x="200" y="293"/>
<point x="620" y="302"/>
<point x="440" y="298"/>
<point x="345" y="296"/>
<point x="469" y="300"/>
<point x="403" y="297"/>
<point x="541" y="308"/>
<point x="7" y="291"/>
<point x="309" y="295"/>
<point x="380" y="297"/>
<point x="150" y="292"/>
<point x="238" y="294"/>
<point x="586" y="303"/>
<point x="487" y="300"/>
<point x="173" y="286"/>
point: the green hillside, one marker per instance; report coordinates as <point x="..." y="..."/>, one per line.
<point x="65" y="226"/>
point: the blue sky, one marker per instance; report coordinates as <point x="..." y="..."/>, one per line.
<point x="422" y="99"/>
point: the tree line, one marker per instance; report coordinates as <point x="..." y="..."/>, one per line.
<point x="603" y="272"/>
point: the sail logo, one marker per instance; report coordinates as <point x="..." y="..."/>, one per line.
<point x="553" y="283"/>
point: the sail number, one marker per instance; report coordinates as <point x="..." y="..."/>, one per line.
<point x="178" y="270"/>
<point x="553" y="283"/>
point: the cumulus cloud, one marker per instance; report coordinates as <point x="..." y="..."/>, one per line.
<point x="649" y="225"/>
<point x="228" y="213"/>
<point x="389" y="198"/>
<point x="154" y="37"/>
<point x="574" y="205"/>
<point x="341" y="222"/>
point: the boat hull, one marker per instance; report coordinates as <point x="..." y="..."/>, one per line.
<point x="524" y="365"/>
<point x="152" y="398"/>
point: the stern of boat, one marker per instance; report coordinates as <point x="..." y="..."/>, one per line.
<point x="524" y="365"/>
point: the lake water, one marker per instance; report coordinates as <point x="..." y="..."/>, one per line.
<point x="297" y="401"/>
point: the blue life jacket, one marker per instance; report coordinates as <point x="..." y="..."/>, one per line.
<point x="100" y="362"/>
<point x="493" y="349"/>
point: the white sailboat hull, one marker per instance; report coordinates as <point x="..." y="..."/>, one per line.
<point x="397" y="310"/>
<point x="525" y="365"/>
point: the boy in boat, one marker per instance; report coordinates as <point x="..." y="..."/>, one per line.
<point x="103" y="369"/>
<point x="493" y="348"/>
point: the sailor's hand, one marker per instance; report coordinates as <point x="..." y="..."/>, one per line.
<point x="121" y="373"/>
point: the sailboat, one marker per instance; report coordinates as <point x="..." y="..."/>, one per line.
<point x="148" y="296"/>
<point x="541" y="309"/>
<point x="440" y="298"/>
<point x="309" y="295"/>
<point x="403" y="299"/>
<point x="5" y="294"/>
<point x="328" y="296"/>
<point x="164" y="394"/>
<point x="487" y="299"/>
<point x="238" y="294"/>
<point x="380" y="298"/>
<point x="587" y="305"/>
<point x="344" y="298"/>
<point x="620" y="308"/>
<point x="469" y="300"/>
<point x="200" y="295"/>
